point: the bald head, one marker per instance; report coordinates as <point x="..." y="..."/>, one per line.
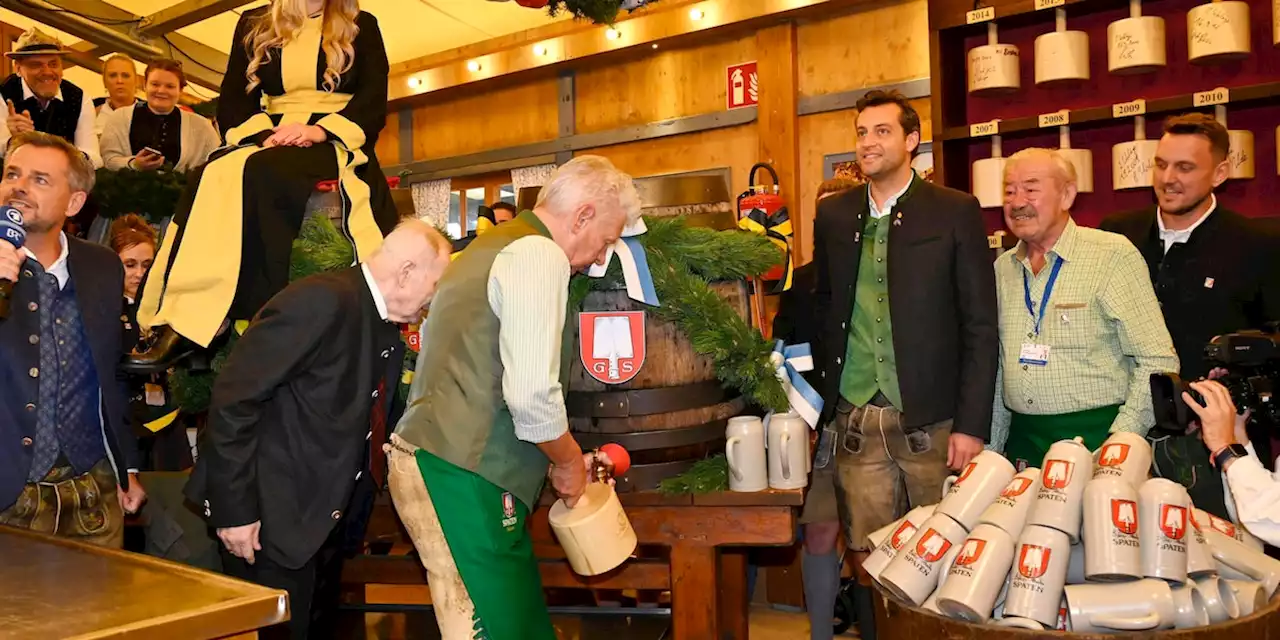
<point x="407" y="267"/>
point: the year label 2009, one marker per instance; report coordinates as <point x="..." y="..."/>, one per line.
<point x="1124" y="109"/>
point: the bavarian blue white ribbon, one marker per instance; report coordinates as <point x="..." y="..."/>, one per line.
<point x="635" y="265"/>
<point x="789" y="362"/>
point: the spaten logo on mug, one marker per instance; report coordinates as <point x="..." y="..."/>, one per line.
<point x="904" y="533"/>
<point x="1016" y="488"/>
<point x="1124" y="515"/>
<point x="968" y="468"/>
<point x="1113" y="455"/>
<point x="971" y="552"/>
<point x="1173" y="521"/>
<point x="1033" y="560"/>
<point x="1057" y="474"/>
<point x="932" y="546"/>
<point x="1222" y="526"/>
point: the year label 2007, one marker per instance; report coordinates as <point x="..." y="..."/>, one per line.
<point x="984" y="129"/>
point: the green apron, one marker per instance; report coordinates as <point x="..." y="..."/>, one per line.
<point x="1030" y="436"/>
<point x="488" y="536"/>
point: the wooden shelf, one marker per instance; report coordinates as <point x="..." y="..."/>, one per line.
<point x="1168" y="104"/>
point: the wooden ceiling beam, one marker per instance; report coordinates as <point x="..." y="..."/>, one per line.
<point x="186" y="13"/>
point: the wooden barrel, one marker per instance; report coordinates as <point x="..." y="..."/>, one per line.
<point x="898" y="620"/>
<point x="674" y="411"/>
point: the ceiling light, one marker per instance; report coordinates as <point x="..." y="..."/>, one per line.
<point x="696" y="14"/>
<point x="612" y="34"/>
<point x="473" y="66"/>
<point x="655" y="45"/>
<point x="539" y="50"/>
<point x="415" y="82"/>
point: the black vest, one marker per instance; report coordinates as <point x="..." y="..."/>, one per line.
<point x="60" y="118"/>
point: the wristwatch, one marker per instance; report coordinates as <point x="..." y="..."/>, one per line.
<point x="1228" y="453"/>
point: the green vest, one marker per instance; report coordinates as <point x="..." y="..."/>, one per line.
<point x="869" y="361"/>
<point x="456" y="410"/>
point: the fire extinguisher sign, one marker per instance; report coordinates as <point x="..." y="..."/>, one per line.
<point x="743" y="88"/>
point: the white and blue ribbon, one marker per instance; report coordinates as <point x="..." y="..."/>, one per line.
<point x="789" y="362"/>
<point x="635" y="265"/>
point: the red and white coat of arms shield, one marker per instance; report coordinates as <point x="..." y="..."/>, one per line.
<point x="611" y="344"/>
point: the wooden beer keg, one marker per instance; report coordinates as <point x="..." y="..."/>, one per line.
<point x="894" y="619"/>
<point x="1218" y="32"/>
<point x="993" y="67"/>
<point x="987" y="179"/>
<point x="1136" y="44"/>
<point x="1240" y="156"/>
<point x="1132" y="162"/>
<point x="1081" y="159"/>
<point x="1062" y="56"/>
<point x="674" y="411"/>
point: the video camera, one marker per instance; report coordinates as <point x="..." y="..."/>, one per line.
<point x="1252" y="360"/>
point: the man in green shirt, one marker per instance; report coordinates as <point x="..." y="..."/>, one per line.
<point x="1080" y="327"/>
<point x="486" y="413"/>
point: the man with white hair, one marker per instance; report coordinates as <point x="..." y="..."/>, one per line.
<point x="486" y="410"/>
<point x="1080" y="328"/>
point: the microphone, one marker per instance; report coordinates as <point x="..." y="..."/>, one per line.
<point x="11" y="231"/>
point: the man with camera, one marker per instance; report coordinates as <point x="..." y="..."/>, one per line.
<point x="1213" y="272"/>
<point x="1255" y="491"/>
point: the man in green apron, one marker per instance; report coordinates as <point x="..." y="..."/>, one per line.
<point x="1080" y="328"/>
<point x="486" y="407"/>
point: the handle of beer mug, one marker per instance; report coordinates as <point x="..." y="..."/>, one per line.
<point x="1141" y="623"/>
<point x="786" y="455"/>
<point x="948" y="483"/>
<point x="728" y="453"/>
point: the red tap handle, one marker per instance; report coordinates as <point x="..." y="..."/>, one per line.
<point x="618" y="456"/>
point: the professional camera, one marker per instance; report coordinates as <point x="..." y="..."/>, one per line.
<point x="1252" y="360"/>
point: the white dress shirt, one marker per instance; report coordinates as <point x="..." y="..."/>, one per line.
<point x="877" y="212"/>
<point x="1170" y="237"/>
<point x="1253" y="497"/>
<point x="528" y="291"/>
<point x="86" y="138"/>
<point x="378" y="301"/>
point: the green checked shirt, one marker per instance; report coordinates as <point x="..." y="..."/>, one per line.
<point x="1103" y="325"/>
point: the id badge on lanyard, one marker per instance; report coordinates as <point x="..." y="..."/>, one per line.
<point x="1035" y="353"/>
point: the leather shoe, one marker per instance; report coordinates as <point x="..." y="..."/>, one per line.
<point x="167" y="349"/>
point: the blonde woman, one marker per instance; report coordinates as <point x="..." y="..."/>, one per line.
<point x="154" y="133"/>
<point x="302" y="101"/>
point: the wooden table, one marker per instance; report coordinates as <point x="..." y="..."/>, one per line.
<point x="56" y="588"/>
<point x="707" y="579"/>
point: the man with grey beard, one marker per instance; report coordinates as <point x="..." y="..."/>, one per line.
<point x="1080" y="299"/>
<point x="1214" y="271"/>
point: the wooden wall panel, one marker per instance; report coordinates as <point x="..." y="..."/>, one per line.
<point x="733" y="147"/>
<point x="821" y="135"/>
<point x="879" y="44"/>
<point x="502" y="117"/>
<point x="667" y="84"/>
<point x="388" y="147"/>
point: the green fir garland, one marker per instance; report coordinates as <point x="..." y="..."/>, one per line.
<point x="150" y="194"/>
<point x="598" y="11"/>
<point x="705" y="476"/>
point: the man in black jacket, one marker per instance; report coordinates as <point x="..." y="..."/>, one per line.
<point x="906" y="293"/>
<point x="1214" y="272"/>
<point x="293" y="414"/>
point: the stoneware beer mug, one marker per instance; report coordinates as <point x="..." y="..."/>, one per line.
<point x="1250" y="596"/>
<point x="744" y="449"/>
<point x="1163" y="519"/>
<point x="788" y="451"/>
<point x="918" y="514"/>
<point x="1067" y="468"/>
<point x="1200" y="563"/>
<point x="1039" y="574"/>
<point x="903" y="531"/>
<point x="1130" y="606"/>
<point x="1219" y="599"/>
<point x="1009" y="510"/>
<point x="1189" y="607"/>
<point x="931" y="603"/>
<point x="1229" y="528"/>
<point x="969" y="589"/>
<point x="1243" y="560"/>
<point x="1075" y="565"/>
<point x="980" y="482"/>
<point x="1124" y="455"/>
<point x="913" y="573"/>
<point x="1112" y="552"/>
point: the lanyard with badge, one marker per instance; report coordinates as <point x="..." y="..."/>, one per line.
<point x="1034" y="353"/>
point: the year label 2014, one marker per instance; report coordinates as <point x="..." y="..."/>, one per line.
<point x="985" y="14"/>
<point x="1221" y="95"/>
<point x="1125" y="109"/>
<point x="980" y="129"/>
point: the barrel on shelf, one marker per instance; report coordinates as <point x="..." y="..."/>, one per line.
<point x="674" y="411"/>
<point x="898" y="620"/>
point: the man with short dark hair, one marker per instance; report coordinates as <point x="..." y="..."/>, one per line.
<point x="907" y="299"/>
<point x="502" y="212"/>
<point x="38" y="99"/>
<point x="68" y="457"/>
<point x="1214" y="272"/>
